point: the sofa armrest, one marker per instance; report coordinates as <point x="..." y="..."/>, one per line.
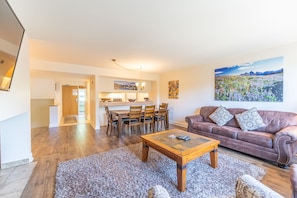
<point x="248" y="186"/>
<point x="285" y="144"/>
<point x="290" y="131"/>
<point x="192" y="119"/>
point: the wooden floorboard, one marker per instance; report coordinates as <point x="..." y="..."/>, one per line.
<point x="54" y="145"/>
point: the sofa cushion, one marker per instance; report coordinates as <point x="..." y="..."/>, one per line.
<point x="277" y="120"/>
<point x="205" y="111"/>
<point x="221" y="116"/>
<point x="227" y="131"/>
<point x="158" y="191"/>
<point x="255" y="137"/>
<point x="250" y="120"/>
<point x="204" y="126"/>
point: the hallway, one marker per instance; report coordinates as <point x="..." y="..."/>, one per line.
<point x="73" y="119"/>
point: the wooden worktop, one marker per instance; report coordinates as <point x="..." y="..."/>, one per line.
<point x="110" y="104"/>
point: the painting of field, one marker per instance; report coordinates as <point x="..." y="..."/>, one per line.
<point x="258" y="81"/>
<point x="124" y="85"/>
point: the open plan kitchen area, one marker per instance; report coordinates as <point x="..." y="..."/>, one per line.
<point x="119" y="96"/>
<point x="79" y="99"/>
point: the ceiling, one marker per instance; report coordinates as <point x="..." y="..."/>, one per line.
<point x="159" y="35"/>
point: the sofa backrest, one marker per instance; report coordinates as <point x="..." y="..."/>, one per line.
<point x="274" y="120"/>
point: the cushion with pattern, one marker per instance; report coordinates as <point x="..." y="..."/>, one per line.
<point x="158" y="191"/>
<point x="221" y="116"/>
<point x="250" y="120"/>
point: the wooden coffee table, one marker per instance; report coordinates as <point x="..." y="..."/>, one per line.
<point x="182" y="152"/>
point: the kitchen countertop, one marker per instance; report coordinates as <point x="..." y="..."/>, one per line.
<point x="125" y="103"/>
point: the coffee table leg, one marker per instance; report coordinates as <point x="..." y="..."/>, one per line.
<point x="181" y="177"/>
<point x="145" y="150"/>
<point x="214" y="158"/>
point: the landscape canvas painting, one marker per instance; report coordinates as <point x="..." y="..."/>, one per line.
<point x="124" y="85"/>
<point x="256" y="81"/>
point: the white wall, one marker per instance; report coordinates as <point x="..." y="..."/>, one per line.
<point x="15" y="129"/>
<point x="16" y="140"/>
<point x="42" y="88"/>
<point x="16" y="100"/>
<point x="197" y="85"/>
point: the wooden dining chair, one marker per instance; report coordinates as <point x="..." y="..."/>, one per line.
<point x="161" y="116"/>
<point x="165" y="105"/>
<point x="134" y="118"/>
<point x="112" y="122"/>
<point x="148" y="118"/>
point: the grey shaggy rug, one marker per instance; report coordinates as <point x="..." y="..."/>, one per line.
<point x="121" y="173"/>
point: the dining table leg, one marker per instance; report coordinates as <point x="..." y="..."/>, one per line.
<point x="120" y="125"/>
<point x="167" y="120"/>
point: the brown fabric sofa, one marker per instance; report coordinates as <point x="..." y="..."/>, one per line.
<point x="277" y="141"/>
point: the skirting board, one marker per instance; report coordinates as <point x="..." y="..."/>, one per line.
<point x="94" y="126"/>
<point x="53" y="125"/>
<point x="15" y="163"/>
<point x="180" y="123"/>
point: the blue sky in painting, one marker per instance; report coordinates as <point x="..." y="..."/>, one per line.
<point x="257" y="66"/>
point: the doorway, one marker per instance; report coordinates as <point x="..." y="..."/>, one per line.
<point x="69" y="100"/>
<point x="73" y="104"/>
<point x="81" y="101"/>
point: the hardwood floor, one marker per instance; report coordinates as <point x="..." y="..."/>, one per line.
<point x="51" y="146"/>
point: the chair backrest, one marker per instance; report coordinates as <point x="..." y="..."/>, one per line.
<point x="162" y="110"/>
<point x="107" y="111"/>
<point x="165" y="105"/>
<point x="149" y="111"/>
<point x="108" y="114"/>
<point x="135" y="112"/>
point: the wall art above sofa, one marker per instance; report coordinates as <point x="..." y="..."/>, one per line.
<point x="260" y="81"/>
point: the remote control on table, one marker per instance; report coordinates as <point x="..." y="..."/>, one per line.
<point x="183" y="137"/>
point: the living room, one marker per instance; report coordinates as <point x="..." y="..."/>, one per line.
<point x="196" y="78"/>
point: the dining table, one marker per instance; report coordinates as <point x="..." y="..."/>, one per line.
<point x="122" y="114"/>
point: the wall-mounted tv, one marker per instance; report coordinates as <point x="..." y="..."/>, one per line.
<point x="11" y="36"/>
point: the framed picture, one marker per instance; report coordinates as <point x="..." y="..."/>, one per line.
<point x="124" y="85"/>
<point x="173" y="89"/>
<point x="256" y="81"/>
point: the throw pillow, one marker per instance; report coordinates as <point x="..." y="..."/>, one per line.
<point x="250" y="120"/>
<point x="221" y="116"/>
<point x="158" y="191"/>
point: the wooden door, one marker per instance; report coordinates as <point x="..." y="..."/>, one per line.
<point x="70" y="100"/>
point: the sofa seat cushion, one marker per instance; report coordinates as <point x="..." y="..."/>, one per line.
<point x="227" y="131"/>
<point x="256" y="137"/>
<point x="204" y="126"/>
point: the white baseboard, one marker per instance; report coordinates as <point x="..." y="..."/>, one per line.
<point x="180" y="123"/>
<point x="53" y="125"/>
<point x="93" y="125"/>
<point x="15" y="163"/>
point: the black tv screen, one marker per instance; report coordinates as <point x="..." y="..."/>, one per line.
<point x="11" y="36"/>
